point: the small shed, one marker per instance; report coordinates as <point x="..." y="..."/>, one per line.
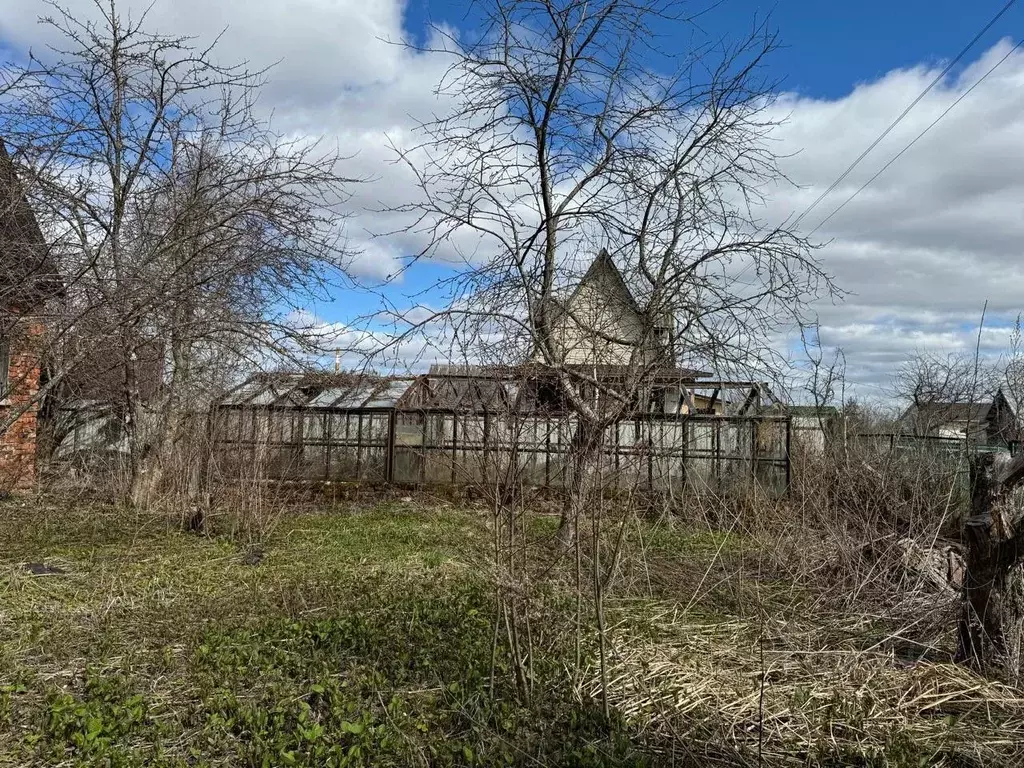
<point x="988" y="422"/>
<point x="814" y="426"/>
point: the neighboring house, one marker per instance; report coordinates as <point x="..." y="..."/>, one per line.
<point x="600" y="331"/>
<point x="988" y="422"/>
<point x="28" y="282"/>
<point x="601" y="323"/>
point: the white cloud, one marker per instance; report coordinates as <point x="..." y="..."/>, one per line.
<point x="936" y="235"/>
<point x="337" y="70"/>
<point x="920" y="250"/>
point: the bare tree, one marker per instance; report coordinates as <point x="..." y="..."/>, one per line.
<point x="1011" y="380"/>
<point x="180" y="221"/>
<point x="573" y="132"/>
<point x="937" y="388"/>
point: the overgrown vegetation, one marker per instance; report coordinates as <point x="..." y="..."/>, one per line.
<point x="365" y="634"/>
<point x="359" y="638"/>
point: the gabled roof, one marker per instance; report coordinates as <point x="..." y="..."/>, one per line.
<point x="602" y="263"/>
<point x="945" y="412"/>
<point x="459" y="391"/>
<point x="996" y="413"/>
<point x="948" y="412"/>
<point x="605" y="263"/>
<point x="27" y="272"/>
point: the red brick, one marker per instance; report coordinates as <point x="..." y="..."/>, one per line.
<point x="18" y="441"/>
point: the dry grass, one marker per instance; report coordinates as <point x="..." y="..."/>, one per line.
<point x="790" y="633"/>
<point x="795" y="633"/>
<point x="786" y="693"/>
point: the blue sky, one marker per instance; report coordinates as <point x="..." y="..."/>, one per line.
<point x="827" y="50"/>
<point x="920" y="251"/>
<point x="829" y="45"/>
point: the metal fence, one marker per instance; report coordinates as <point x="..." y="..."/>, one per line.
<point x="444" y="447"/>
<point x="902" y="443"/>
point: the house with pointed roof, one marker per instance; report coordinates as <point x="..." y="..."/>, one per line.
<point x="28" y="282"/>
<point x="989" y="422"/>
<point x="600" y="323"/>
<point x="600" y="328"/>
<point x="598" y="331"/>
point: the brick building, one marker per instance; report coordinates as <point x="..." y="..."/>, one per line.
<point x="28" y="282"/>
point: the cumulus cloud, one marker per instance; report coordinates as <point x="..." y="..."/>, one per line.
<point x="919" y="251"/>
<point x="937" y="234"/>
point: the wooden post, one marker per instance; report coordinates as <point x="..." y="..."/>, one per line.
<point x="991" y="551"/>
<point x="487" y="439"/>
<point x="547" y="449"/>
<point x="392" y="418"/>
<point x="455" y="444"/>
<point x="789" y="457"/>
<point x="683" y="457"/>
<point x="753" y="450"/>
<point x="649" y="444"/>
<point x="359" y="448"/>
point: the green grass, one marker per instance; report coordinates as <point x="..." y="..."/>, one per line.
<point x="366" y="636"/>
<point x="363" y="637"/>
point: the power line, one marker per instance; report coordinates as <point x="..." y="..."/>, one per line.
<point x="917" y="138"/>
<point x="905" y="112"/>
<point x="896" y="122"/>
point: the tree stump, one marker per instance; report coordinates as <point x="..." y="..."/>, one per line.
<point x="992" y="550"/>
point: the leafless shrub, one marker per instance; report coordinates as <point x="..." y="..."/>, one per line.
<point x="180" y="222"/>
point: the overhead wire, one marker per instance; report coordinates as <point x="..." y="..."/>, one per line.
<point x="917" y="100"/>
<point x="938" y="78"/>
<point x="935" y="81"/>
<point x="917" y="138"/>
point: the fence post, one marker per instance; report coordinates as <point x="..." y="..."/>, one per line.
<point x="753" y="449"/>
<point x="789" y="456"/>
<point x="455" y="444"/>
<point x="390" y="460"/>
<point x="719" y="479"/>
<point x="424" y="448"/>
<point x="683" y="458"/>
<point x="487" y="437"/>
<point x="547" y="449"/>
<point x="214" y="419"/>
<point x="650" y="452"/>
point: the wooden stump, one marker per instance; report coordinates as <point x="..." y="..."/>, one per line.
<point x="991" y="544"/>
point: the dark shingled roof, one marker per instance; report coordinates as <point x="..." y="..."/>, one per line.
<point x="994" y="417"/>
<point x="27" y="273"/>
<point x="948" y="412"/>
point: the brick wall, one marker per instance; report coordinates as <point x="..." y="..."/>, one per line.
<point x="18" y="441"/>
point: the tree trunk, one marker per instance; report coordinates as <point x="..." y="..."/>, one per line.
<point x="167" y="421"/>
<point x="992" y="549"/>
<point x="579" y="483"/>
